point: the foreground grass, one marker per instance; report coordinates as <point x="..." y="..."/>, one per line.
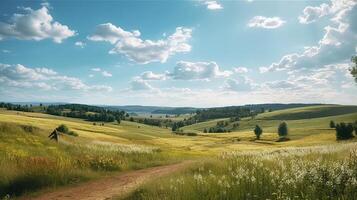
<point x="322" y="172"/>
<point x="29" y="161"/>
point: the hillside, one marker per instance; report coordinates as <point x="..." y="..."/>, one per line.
<point x="309" y="112"/>
<point x="301" y="121"/>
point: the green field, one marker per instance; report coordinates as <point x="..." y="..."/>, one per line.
<point x="30" y="162"/>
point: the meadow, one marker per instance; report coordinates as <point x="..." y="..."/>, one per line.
<point x="29" y="161"/>
<point x="230" y="165"/>
<point x="322" y="172"/>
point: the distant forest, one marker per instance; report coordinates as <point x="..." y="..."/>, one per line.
<point x="90" y="113"/>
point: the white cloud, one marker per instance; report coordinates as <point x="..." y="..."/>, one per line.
<point x="96" y="69"/>
<point x="142" y="51"/>
<point x="43" y="78"/>
<point x="139" y="84"/>
<point x="106" y="74"/>
<point x="311" y="14"/>
<point x="326" y="78"/>
<point x="35" y="25"/>
<point x="265" y="22"/>
<point x="197" y="71"/>
<point x="337" y="45"/>
<point x="103" y="72"/>
<point x="149" y="75"/>
<point x="240" y="70"/>
<point x="213" y="5"/>
<point x="6" y="51"/>
<point x="239" y="85"/>
<point x="80" y="44"/>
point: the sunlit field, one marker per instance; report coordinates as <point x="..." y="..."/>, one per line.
<point x="232" y="165"/>
<point x="321" y="172"/>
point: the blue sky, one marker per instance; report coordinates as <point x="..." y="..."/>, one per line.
<point x="178" y="53"/>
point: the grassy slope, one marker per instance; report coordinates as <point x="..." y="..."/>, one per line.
<point x="98" y="149"/>
<point x="303" y="132"/>
<point x="312" y="117"/>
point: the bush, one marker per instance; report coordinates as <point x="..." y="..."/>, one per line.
<point x="283" y="130"/>
<point x="332" y="124"/>
<point x="258" y="131"/>
<point x="65" y="130"/>
<point x="62" y="128"/>
<point x="185" y="133"/>
<point x="344" y="131"/>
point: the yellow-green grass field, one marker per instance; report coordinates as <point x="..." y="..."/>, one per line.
<point x="28" y="156"/>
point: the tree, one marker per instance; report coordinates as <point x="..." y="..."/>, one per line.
<point x="118" y="120"/>
<point x="353" y="70"/>
<point x="344" y="131"/>
<point x="62" y="128"/>
<point x="205" y="130"/>
<point x="283" y="130"/>
<point x="258" y="131"/>
<point x="332" y="124"/>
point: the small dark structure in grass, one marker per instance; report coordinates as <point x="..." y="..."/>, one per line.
<point x="54" y="135"/>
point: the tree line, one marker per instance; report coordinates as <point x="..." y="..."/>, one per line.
<point x="87" y="112"/>
<point x="17" y="107"/>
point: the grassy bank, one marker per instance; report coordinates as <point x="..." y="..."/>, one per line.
<point x="321" y="172"/>
<point x="29" y="161"/>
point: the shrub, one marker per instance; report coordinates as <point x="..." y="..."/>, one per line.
<point x="62" y="128"/>
<point x="258" y="131"/>
<point x="283" y="130"/>
<point x="65" y="130"/>
<point x="344" y="131"/>
<point x="332" y="124"/>
<point x="72" y="133"/>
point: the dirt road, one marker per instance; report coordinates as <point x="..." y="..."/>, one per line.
<point x="108" y="187"/>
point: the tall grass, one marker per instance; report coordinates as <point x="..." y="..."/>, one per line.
<point x="29" y="161"/>
<point x="326" y="172"/>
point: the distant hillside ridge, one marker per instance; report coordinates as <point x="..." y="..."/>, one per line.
<point x="309" y="112"/>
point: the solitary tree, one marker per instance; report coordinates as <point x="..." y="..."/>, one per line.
<point x="344" y="131"/>
<point x="118" y="120"/>
<point x="283" y="130"/>
<point x="62" y="128"/>
<point x="258" y="131"/>
<point x="353" y="70"/>
<point x="332" y="124"/>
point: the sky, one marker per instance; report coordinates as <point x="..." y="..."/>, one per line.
<point x="178" y="53"/>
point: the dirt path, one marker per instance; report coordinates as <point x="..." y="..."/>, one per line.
<point x="108" y="187"/>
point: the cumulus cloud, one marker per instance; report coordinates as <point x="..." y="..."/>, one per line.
<point x="80" y="44"/>
<point x="149" y="75"/>
<point x="326" y="78"/>
<point x="130" y="44"/>
<point x="102" y="72"/>
<point x="35" y="25"/>
<point x="213" y="5"/>
<point x="197" y="71"/>
<point x="240" y="70"/>
<point x="266" y="22"/>
<point x="311" y="14"/>
<point x="337" y="45"/>
<point x="140" y="84"/>
<point x="43" y="78"/>
<point x="239" y="85"/>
